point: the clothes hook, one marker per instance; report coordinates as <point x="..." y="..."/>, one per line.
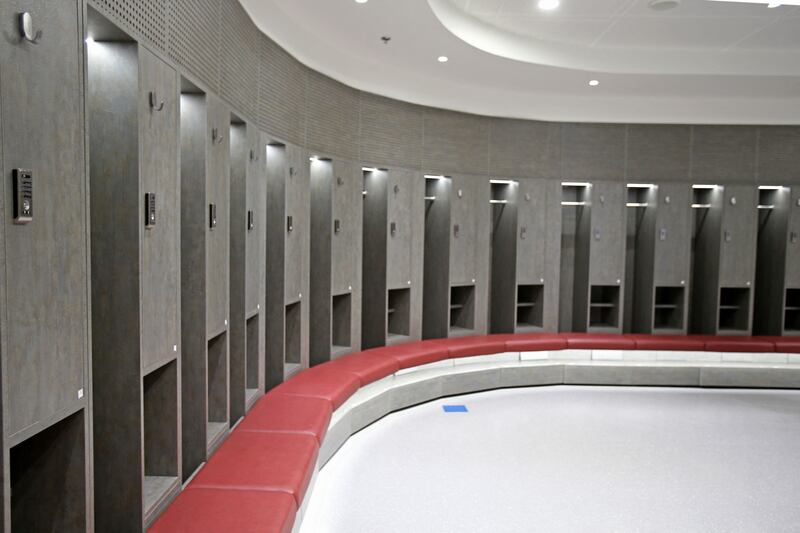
<point x="154" y="103"/>
<point x="216" y="138"/>
<point x="26" y="28"/>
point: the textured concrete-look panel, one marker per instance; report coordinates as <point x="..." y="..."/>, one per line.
<point x="658" y="152"/>
<point x="725" y="154"/>
<point x="239" y="58"/>
<point x="331" y="116"/>
<point x="390" y="132"/>
<point x="777" y="378"/>
<point x="281" y="93"/>
<point x="525" y="148"/>
<point x="778" y="155"/>
<point x="593" y="151"/>
<point x="455" y="142"/>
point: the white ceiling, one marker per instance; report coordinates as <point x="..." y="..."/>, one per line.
<point x="703" y="62"/>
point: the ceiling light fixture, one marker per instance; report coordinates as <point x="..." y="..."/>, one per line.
<point x="593" y="83"/>
<point x="548" y="5"/>
<point x="361" y="1"/>
<point x="443" y="59"/>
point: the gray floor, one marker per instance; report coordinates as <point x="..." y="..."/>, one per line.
<point x="571" y="459"/>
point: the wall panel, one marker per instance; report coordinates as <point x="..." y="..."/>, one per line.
<point x="147" y="19"/>
<point x="390" y="132"/>
<point x="455" y="142"/>
<point x="525" y="148"/>
<point x="593" y="152"/>
<point x="658" y="153"/>
<point x="239" y="58"/>
<point x="194" y="38"/>
<point x="778" y="155"/>
<point x="281" y="93"/>
<point x="724" y="154"/>
<point x="332" y="116"/>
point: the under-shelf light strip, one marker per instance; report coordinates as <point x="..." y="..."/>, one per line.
<point x="575" y="184"/>
<point x="573" y="203"/>
<point x="640" y="185"/>
<point x="435" y="177"/>
<point x="503" y="182"/>
<point x="701" y="206"/>
<point x="498" y="201"/>
<point x="636" y="204"/>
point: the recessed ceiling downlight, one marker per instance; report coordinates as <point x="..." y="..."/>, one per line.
<point x="361" y="1"/>
<point x="664" y="5"/>
<point x="548" y="5"/>
<point x="594" y="83"/>
<point x="442" y="59"/>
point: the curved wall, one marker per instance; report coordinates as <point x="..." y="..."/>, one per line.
<point x="218" y="44"/>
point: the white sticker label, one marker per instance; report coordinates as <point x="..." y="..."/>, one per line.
<point x="80" y="393"/>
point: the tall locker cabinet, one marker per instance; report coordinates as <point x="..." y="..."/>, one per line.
<point x="724" y="259"/>
<point x="600" y="259"/>
<point x="469" y="256"/>
<point x="132" y="107"/>
<point x="335" y="268"/>
<point x="44" y="287"/>
<point x="662" y="258"/>
<point x="538" y="255"/>
<point x="247" y="238"/>
<point x="287" y="259"/>
<point x="205" y="261"/>
<point x="777" y="296"/>
<point x="393" y="212"/>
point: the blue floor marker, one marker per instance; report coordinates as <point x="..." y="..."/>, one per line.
<point x="455" y="408"/>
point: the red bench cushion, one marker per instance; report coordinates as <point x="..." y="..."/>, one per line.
<point x="785" y="344"/>
<point x="478" y="345"/>
<point x="367" y="366"/>
<point x="288" y="413"/>
<point x="215" y="510"/>
<point x="669" y="343"/>
<point x="323" y="382"/>
<point x="535" y="342"/>
<point x="739" y="344"/>
<point x="599" y="341"/>
<point x="413" y="353"/>
<point x="262" y="461"/>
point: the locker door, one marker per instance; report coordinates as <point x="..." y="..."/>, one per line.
<point x="255" y="202"/>
<point x="531" y="231"/>
<point x="296" y="192"/>
<point x="739" y="231"/>
<point x="673" y="234"/>
<point x="158" y="141"/>
<point x="218" y="186"/>
<point x="463" y="230"/>
<point x="401" y="190"/>
<point x="607" y="248"/>
<point x="345" y="249"/>
<point x="45" y="324"/>
<point x="793" y="242"/>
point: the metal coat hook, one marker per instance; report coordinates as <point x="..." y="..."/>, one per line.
<point x="26" y="30"/>
<point x="253" y="155"/>
<point x="216" y="138"/>
<point x="155" y="105"/>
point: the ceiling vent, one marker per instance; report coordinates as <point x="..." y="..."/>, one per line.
<point x="664" y="5"/>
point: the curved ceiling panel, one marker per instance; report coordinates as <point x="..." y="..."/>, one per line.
<point x="680" y="83"/>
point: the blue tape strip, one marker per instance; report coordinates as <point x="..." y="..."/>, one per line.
<point x="455" y="408"/>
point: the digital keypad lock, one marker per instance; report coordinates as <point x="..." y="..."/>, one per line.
<point x="150" y="210"/>
<point x="23" y="196"/>
<point x="251" y="220"/>
<point x="212" y="216"/>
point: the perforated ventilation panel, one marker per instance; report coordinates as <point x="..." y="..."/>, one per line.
<point x="239" y="58"/>
<point x="146" y="19"/>
<point x="391" y="132"/>
<point x="332" y="121"/>
<point x="281" y="93"/>
<point x="194" y="38"/>
<point x="525" y="148"/>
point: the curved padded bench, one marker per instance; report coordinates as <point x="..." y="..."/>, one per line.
<point x="260" y="478"/>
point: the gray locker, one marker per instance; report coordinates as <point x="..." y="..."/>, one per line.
<point x="218" y="192"/>
<point x="777" y="292"/>
<point x="132" y="107"/>
<point x="660" y="292"/>
<point x="246" y="260"/>
<point x="44" y="320"/>
<point x="538" y="254"/>
<point x="335" y="295"/>
<point x="287" y="260"/>
<point x="739" y="231"/>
